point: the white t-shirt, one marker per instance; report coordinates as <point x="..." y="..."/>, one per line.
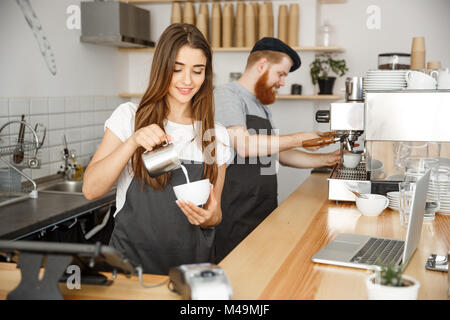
<point x="121" y="123"/>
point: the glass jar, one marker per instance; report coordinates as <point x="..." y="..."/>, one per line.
<point x="394" y="61"/>
<point x="325" y="35"/>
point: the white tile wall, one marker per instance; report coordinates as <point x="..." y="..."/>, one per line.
<point x="81" y="119"/>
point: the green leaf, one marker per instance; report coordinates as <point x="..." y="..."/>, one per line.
<point x="323" y="64"/>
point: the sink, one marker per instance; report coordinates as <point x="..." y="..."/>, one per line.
<point x="70" y="187"/>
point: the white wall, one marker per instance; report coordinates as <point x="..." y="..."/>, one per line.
<point x="82" y="68"/>
<point x="401" y="20"/>
<point x="75" y="102"/>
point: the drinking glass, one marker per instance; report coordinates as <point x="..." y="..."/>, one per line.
<point x="417" y="167"/>
<point x="406" y="191"/>
<point x="405" y="150"/>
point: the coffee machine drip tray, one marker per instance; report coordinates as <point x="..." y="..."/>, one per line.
<point x="343" y="173"/>
<point x="342" y="179"/>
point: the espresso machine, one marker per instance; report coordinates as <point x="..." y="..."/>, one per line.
<point x="383" y="119"/>
<point x="346" y="120"/>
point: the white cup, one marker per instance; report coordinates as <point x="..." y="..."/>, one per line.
<point x="444" y="79"/>
<point x="373" y="206"/>
<point x="351" y="160"/>
<point x="419" y="80"/>
<point x="196" y="192"/>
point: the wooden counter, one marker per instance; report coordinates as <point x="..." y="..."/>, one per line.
<point x="274" y="261"/>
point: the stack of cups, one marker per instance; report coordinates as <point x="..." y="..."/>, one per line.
<point x="189" y="13"/>
<point x="202" y="20"/>
<point x="177" y="16"/>
<point x="418" y="53"/>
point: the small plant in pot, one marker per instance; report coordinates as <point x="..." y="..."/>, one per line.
<point x="322" y="67"/>
<point x="389" y="283"/>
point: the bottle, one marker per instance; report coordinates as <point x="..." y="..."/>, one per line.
<point x="325" y="35"/>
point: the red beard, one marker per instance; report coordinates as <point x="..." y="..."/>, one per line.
<point x="265" y="93"/>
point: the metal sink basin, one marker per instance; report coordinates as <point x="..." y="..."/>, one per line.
<point x="70" y="187"/>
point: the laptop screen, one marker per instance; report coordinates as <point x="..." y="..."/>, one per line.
<point x="416" y="217"/>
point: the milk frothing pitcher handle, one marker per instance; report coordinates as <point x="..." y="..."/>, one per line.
<point x="164" y="144"/>
<point x="348" y="87"/>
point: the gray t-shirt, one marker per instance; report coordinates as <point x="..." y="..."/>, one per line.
<point x="233" y="102"/>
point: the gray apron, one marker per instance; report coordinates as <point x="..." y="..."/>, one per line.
<point x="152" y="231"/>
<point x="248" y="196"/>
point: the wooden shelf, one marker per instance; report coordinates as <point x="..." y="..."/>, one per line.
<point x="279" y="97"/>
<point x="247" y="49"/>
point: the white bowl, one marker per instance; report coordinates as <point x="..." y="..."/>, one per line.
<point x="351" y="160"/>
<point x="196" y="192"/>
<point x="373" y="206"/>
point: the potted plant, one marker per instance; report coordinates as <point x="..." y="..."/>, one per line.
<point x="389" y="283"/>
<point x="320" y="71"/>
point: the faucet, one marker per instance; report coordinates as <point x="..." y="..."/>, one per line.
<point x="68" y="169"/>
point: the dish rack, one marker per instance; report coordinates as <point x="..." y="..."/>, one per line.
<point x="33" y="144"/>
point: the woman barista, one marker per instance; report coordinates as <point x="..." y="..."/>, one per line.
<point x="152" y="228"/>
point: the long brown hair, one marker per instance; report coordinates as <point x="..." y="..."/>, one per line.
<point x="153" y="106"/>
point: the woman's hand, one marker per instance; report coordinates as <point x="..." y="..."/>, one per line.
<point x="149" y="137"/>
<point x="330" y="159"/>
<point x="206" y="217"/>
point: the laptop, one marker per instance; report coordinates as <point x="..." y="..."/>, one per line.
<point x="366" y="252"/>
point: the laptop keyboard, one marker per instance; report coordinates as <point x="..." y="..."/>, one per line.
<point x="377" y="251"/>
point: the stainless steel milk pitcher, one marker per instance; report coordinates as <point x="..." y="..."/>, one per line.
<point x="161" y="160"/>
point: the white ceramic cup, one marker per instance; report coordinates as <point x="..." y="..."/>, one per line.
<point x="419" y="80"/>
<point x="196" y="192"/>
<point x="351" y="160"/>
<point x="373" y="206"/>
<point x="444" y="79"/>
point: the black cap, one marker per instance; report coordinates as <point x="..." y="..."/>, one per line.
<point x="275" y="44"/>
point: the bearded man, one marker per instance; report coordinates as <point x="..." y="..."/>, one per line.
<point x="250" y="190"/>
